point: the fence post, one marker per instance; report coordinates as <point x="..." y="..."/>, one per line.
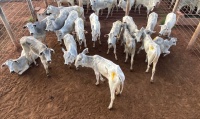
<point x="194" y="37"/>
<point x="8" y="28"/>
<point x="31" y="8"/>
<point x="176" y="6"/>
<point x="80" y="3"/>
<point x="46" y="3"/>
<point x="127" y="7"/>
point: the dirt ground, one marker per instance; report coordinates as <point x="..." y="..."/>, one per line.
<point x="73" y="94"/>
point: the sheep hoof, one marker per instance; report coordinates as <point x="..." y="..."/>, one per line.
<point x="131" y="70"/>
<point x="110" y="107"/>
<point x="151" y="81"/>
<point x="96" y="84"/>
<point x="48" y="76"/>
<point x="117" y="93"/>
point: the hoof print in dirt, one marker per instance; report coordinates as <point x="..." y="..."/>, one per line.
<point x="51" y="97"/>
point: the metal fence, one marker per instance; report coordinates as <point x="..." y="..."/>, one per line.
<point x="17" y="12"/>
<point x="187" y="21"/>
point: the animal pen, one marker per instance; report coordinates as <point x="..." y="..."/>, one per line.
<point x="175" y="94"/>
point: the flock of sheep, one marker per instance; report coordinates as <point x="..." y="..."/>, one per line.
<point x="68" y="24"/>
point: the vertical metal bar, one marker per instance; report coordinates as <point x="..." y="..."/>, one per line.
<point x="46" y="3"/>
<point x="8" y="28"/>
<point x="194" y="37"/>
<point x="31" y="8"/>
<point x="80" y="3"/>
<point x="176" y="6"/>
<point x="127" y="7"/>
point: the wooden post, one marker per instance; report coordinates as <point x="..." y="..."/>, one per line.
<point x="127" y="7"/>
<point x="194" y="37"/>
<point x="46" y="3"/>
<point x="8" y="28"/>
<point x="80" y="3"/>
<point x="31" y="8"/>
<point x="176" y="6"/>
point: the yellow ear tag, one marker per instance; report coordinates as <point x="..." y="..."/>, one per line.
<point x="113" y="74"/>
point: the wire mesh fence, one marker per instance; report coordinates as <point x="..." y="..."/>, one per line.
<point x="187" y="20"/>
<point x="17" y="14"/>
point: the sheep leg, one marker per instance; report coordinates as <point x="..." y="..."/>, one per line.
<point x="169" y="33"/>
<point x="97" y="77"/>
<point x="166" y="53"/>
<point x="132" y="59"/>
<point x="148" y="65"/>
<point x="117" y="90"/>
<point x="115" y="51"/>
<point x="109" y="8"/>
<point x="101" y="78"/>
<point x="136" y="7"/>
<point x="116" y="7"/>
<point x="139" y="50"/>
<point x="85" y="45"/>
<point x="126" y="57"/>
<point x="139" y="8"/>
<point x="101" y="11"/>
<point x="32" y="59"/>
<point x="146" y="59"/>
<point x="108" y="50"/>
<point x="99" y="40"/>
<point x="88" y="7"/>
<point x="112" y="93"/>
<point x="153" y="70"/>
<point x="112" y="10"/>
<point x="93" y="44"/>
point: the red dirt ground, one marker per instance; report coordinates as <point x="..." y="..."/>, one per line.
<point x="72" y="94"/>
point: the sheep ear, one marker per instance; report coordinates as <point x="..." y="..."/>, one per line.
<point x="85" y="51"/>
<point x="106" y="35"/>
<point x="16" y="61"/>
<point x="41" y="53"/>
<point x="4" y="64"/>
<point x="73" y="32"/>
<point x="63" y="49"/>
<point x="153" y="32"/>
<point x="52" y="50"/>
<point x="142" y="29"/>
<point x="85" y="31"/>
